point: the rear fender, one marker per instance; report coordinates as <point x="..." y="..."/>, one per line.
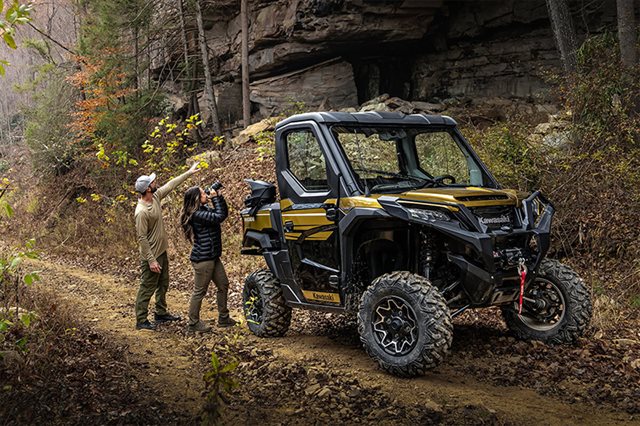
<point x="278" y="261"/>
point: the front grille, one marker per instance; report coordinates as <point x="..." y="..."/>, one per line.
<point x="495" y="217"/>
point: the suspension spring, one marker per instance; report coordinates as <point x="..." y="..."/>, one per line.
<point x="426" y="254"/>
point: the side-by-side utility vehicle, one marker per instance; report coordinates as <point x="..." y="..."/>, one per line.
<point x="395" y="218"/>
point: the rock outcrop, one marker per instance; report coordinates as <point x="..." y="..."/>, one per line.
<point x="419" y="50"/>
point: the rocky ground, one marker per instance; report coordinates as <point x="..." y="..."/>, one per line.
<point x="316" y="374"/>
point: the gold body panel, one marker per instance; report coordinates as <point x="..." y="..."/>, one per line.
<point x="261" y="222"/>
<point x="307" y="219"/>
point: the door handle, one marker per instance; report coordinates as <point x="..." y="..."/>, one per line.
<point x="288" y="226"/>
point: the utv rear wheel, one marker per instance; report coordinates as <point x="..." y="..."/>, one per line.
<point x="265" y="310"/>
<point x="556" y="306"/>
<point x="404" y="324"/>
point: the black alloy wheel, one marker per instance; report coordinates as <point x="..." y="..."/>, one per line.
<point x="404" y="324"/>
<point x="556" y="306"/>
<point x="395" y="326"/>
<point x="544" y="305"/>
<point x="253" y="307"/>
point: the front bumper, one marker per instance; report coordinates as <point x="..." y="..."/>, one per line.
<point x="489" y="277"/>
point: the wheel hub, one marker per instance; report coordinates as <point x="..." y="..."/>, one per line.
<point x="545" y="306"/>
<point x="253" y="307"/>
<point x="395" y="326"/>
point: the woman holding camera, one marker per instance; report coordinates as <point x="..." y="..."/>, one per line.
<point x="201" y="226"/>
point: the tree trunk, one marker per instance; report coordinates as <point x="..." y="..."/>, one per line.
<point x="208" y="84"/>
<point x="563" y="32"/>
<point x="183" y="33"/>
<point x="136" y="54"/>
<point x="627" y="33"/>
<point x="190" y="72"/>
<point x="246" y="103"/>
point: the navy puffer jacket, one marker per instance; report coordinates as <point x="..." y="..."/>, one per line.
<point x="207" y="241"/>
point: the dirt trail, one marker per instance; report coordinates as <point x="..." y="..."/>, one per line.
<point x="107" y="303"/>
<point x="169" y="362"/>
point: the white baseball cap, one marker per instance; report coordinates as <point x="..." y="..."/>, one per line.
<point x="143" y="182"/>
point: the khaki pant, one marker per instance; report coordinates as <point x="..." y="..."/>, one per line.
<point x="205" y="272"/>
<point x="151" y="282"/>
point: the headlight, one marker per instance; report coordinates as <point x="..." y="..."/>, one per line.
<point x="428" y="215"/>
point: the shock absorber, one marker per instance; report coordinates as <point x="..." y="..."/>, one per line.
<point x="426" y="254"/>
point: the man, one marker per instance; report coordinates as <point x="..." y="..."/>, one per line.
<point x="153" y="243"/>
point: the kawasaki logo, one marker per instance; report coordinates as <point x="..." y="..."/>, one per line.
<point x="494" y="220"/>
<point x="321" y="297"/>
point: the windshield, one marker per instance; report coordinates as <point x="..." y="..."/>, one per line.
<point x="388" y="159"/>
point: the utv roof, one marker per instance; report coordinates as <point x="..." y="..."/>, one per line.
<point x="372" y="117"/>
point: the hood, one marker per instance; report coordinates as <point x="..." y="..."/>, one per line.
<point x="470" y="196"/>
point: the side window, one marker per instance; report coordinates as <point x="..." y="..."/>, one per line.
<point x="306" y="160"/>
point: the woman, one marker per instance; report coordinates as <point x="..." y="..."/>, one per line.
<point x="201" y="226"/>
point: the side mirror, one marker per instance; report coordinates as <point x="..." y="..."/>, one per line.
<point x="332" y="212"/>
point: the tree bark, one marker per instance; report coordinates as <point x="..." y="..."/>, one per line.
<point x="136" y="54"/>
<point x="246" y="103"/>
<point x="563" y="32"/>
<point x="208" y="84"/>
<point x="627" y="33"/>
<point x="183" y="33"/>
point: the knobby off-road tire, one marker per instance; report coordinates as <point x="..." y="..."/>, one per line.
<point x="265" y="310"/>
<point x="564" y="328"/>
<point x="409" y="302"/>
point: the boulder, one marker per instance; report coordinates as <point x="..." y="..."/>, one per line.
<point x="428" y="107"/>
<point x="247" y="135"/>
<point x="329" y="82"/>
<point x="555" y="133"/>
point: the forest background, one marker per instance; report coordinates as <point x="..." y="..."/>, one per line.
<point x="86" y="108"/>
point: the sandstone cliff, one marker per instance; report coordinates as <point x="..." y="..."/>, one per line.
<point x="338" y="53"/>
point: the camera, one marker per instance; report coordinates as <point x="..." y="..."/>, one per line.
<point x="213" y="188"/>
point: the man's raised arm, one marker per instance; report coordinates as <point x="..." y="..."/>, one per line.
<point x="175" y="182"/>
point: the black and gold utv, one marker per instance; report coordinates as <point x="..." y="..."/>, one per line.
<point x="394" y="217"/>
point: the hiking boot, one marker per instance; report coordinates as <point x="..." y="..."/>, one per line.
<point x="167" y="318"/>
<point x="146" y="325"/>
<point x="200" y="327"/>
<point x="226" y="322"/>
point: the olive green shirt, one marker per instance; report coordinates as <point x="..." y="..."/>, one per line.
<point x="152" y="237"/>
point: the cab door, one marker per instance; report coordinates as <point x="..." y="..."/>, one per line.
<point x="308" y="189"/>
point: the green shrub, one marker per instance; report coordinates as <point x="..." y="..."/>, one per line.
<point x="504" y="148"/>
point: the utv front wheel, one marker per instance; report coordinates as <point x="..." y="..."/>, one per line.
<point x="404" y="324"/>
<point x="265" y="310"/>
<point x="556" y="306"/>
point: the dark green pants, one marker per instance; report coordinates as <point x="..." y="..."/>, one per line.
<point x="205" y="272"/>
<point x="150" y="283"/>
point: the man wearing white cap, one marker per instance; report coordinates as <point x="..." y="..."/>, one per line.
<point x="153" y="243"/>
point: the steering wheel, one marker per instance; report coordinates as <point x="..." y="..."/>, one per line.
<point x="439" y="180"/>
